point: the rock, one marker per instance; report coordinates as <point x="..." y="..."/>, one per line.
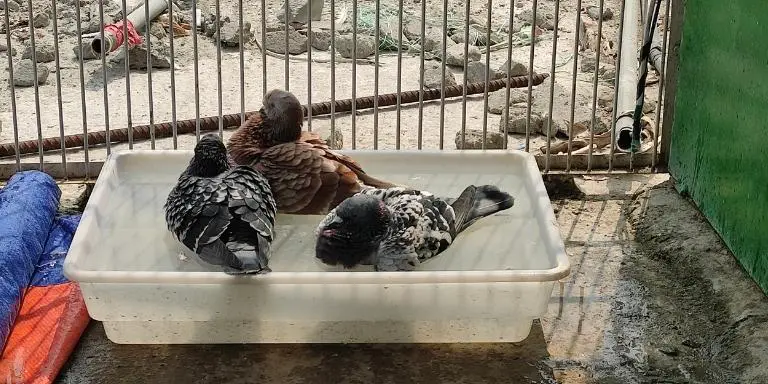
<point x="594" y="13"/>
<point x="477" y="36"/>
<point x="230" y="34"/>
<point x="496" y="102"/>
<point x="44" y="51"/>
<point x="4" y="48"/>
<point x="475" y="72"/>
<point x="473" y="139"/>
<point x="74" y="197"/>
<point x="41" y="20"/>
<point x="160" y="56"/>
<point x="433" y="41"/>
<point x="588" y="63"/>
<point x="299" y="11"/>
<point x="87" y="51"/>
<point x="366" y="46"/>
<point x="13" y="6"/>
<point x="517" y="69"/>
<point x="275" y="42"/>
<point x="561" y="109"/>
<point x="433" y="78"/>
<point x="412" y="29"/>
<point x="335" y="140"/>
<point x="157" y="31"/>
<point x="544" y="18"/>
<point x="455" y="55"/>
<point x="24" y="76"/>
<point x="321" y="40"/>
<point x="518" y="116"/>
<point x="111" y="14"/>
<point x="649" y="106"/>
<point x="608" y="73"/>
<point x="605" y="100"/>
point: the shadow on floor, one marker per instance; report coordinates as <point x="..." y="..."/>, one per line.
<point x="97" y="360"/>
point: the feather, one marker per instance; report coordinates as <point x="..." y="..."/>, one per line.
<point x="397" y="229"/>
<point x="227" y="219"/>
<point x="305" y="175"/>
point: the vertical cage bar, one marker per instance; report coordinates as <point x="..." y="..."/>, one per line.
<point x="127" y="72"/>
<point x="218" y="69"/>
<point x="377" y="38"/>
<point x="420" y="138"/>
<point x="59" y="101"/>
<point x="442" y="72"/>
<point x="487" y="72"/>
<point x="104" y="75"/>
<point x="573" y="86"/>
<point x="309" y="70"/>
<point x="12" y="86"/>
<point x="548" y="155"/>
<point x="534" y="25"/>
<point x="196" y="66"/>
<point x="464" y="77"/>
<point x="508" y="71"/>
<point x="241" y="49"/>
<point x="612" y="149"/>
<point x="83" y="105"/>
<point x="149" y="79"/>
<point x="662" y="85"/>
<point x="333" y="68"/>
<point x="399" y="71"/>
<point x="594" y="86"/>
<point x="37" y="87"/>
<point x="264" y="48"/>
<point x="171" y="36"/>
<point x="287" y="77"/>
<point x="354" y="75"/>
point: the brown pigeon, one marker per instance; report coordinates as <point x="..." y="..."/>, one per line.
<point x="305" y="175"/>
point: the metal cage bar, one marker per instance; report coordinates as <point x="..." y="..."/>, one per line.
<point x="428" y="112"/>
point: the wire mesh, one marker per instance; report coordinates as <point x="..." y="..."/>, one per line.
<point x="428" y="48"/>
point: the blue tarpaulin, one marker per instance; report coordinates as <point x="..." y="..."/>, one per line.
<point x="28" y="205"/>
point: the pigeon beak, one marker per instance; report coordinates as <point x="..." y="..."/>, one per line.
<point x="336" y="220"/>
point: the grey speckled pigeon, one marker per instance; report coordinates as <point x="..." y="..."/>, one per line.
<point x="397" y="229"/>
<point x="225" y="215"/>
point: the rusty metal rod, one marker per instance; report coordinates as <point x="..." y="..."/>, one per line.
<point x="164" y="130"/>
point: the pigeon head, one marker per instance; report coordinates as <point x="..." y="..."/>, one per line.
<point x="285" y="115"/>
<point x="210" y="157"/>
<point x="351" y="234"/>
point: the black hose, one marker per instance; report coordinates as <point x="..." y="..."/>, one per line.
<point x="644" y="54"/>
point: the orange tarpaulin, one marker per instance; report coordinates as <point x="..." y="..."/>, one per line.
<point x="49" y="324"/>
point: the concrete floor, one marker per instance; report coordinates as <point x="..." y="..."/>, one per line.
<point x="618" y="318"/>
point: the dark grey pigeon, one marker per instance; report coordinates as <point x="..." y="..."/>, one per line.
<point x="397" y="229"/>
<point x="225" y="215"/>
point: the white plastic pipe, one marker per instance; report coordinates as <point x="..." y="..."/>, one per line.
<point x="625" y="99"/>
<point x="137" y="18"/>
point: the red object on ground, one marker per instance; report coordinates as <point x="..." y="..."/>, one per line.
<point x="116" y="30"/>
<point x="51" y="320"/>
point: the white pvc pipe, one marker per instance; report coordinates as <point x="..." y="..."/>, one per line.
<point x="137" y="18"/>
<point x="627" y="84"/>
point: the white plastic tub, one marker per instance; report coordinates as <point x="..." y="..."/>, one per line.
<point x="487" y="287"/>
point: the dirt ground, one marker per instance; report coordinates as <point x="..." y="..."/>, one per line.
<point x="72" y="123"/>
<point x="653" y="297"/>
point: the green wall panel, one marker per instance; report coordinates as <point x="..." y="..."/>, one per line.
<point x="719" y="151"/>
